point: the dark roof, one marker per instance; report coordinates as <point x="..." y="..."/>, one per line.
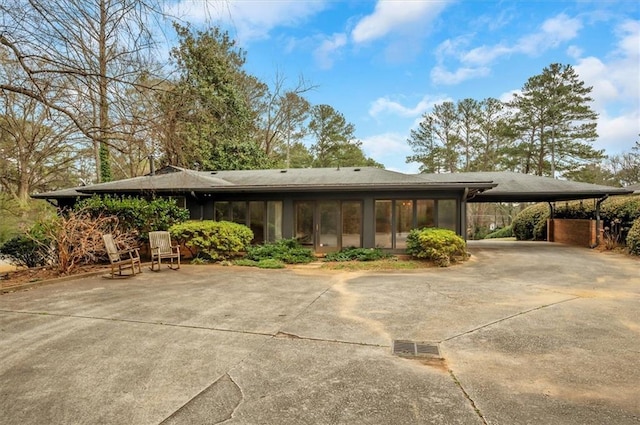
<point x="634" y="187"/>
<point x="517" y="187"/>
<point x="179" y="180"/>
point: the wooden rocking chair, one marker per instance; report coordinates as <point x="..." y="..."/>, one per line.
<point x="160" y="244"/>
<point x="121" y="259"/>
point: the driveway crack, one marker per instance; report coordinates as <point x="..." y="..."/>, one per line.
<point x="521" y="313"/>
<point x="468" y="397"/>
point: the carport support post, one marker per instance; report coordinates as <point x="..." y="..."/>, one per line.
<point x="598" y="203"/>
<point x="550" y="227"/>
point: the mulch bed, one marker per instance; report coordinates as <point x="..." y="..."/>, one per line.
<point x="25" y="276"/>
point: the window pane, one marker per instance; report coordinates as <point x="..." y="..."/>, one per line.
<point x="404" y="222"/>
<point x="329" y="224"/>
<point x="424" y="213"/>
<point x="304" y="223"/>
<point x="274" y="221"/>
<point x="221" y="211"/>
<point x="447" y="214"/>
<point x="239" y="212"/>
<point x="256" y="220"/>
<point x="351" y="224"/>
<point x="383" y="224"/>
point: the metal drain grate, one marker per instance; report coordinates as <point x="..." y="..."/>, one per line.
<point x="415" y="349"/>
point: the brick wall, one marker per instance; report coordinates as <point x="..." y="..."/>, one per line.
<point x="572" y="232"/>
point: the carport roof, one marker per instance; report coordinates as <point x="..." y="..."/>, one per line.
<point x="517" y="187"/>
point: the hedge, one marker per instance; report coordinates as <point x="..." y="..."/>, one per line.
<point x="443" y="246"/>
<point x="633" y="238"/>
<point x="531" y="223"/>
<point x="213" y="240"/>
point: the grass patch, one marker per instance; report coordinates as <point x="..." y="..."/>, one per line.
<point x="378" y="265"/>
<point x="267" y="263"/>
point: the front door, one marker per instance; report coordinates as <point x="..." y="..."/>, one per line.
<point x="317" y="225"/>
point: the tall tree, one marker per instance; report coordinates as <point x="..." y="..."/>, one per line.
<point x="208" y="106"/>
<point x="37" y="147"/>
<point x="93" y="50"/>
<point x="436" y="142"/>
<point x="555" y="122"/>
<point x="335" y="144"/>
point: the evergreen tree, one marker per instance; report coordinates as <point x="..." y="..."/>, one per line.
<point x="554" y="122"/>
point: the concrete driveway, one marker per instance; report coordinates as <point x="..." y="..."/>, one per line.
<point x="529" y="333"/>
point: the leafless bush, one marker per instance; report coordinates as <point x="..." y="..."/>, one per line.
<point x="76" y="239"/>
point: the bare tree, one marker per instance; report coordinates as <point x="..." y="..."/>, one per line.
<point x="92" y="50"/>
<point x="37" y="144"/>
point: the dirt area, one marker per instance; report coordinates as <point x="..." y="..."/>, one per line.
<point x="10" y="277"/>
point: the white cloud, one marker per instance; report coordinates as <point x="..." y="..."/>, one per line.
<point x="441" y="75"/>
<point x="251" y="19"/>
<point x="384" y="105"/>
<point x="329" y="48"/>
<point x="618" y="134"/>
<point x="474" y="62"/>
<point x="382" y="147"/>
<point x="395" y="15"/>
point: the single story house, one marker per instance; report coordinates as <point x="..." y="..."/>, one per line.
<point x="331" y="208"/>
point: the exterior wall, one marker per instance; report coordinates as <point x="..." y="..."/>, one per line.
<point x="201" y="206"/>
<point x="572" y="232"/>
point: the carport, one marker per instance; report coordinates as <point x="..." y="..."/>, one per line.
<point x="517" y="187"/>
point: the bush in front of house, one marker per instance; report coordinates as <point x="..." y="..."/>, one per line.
<point x="357" y="254"/>
<point x="505" y="232"/>
<point x="633" y="238"/>
<point x="213" y="240"/>
<point x="442" y="246"/>
<point x="25" y="250"/>
<point x="288" y="251"/>
<point x="135" y="215"/>
<point x="531" y="223"/>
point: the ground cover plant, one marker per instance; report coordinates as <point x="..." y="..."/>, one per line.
<point x="357" y="254"/>
<point x="288" y="251"/>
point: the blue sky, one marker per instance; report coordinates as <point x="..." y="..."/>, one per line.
<point x="384" y="63"/>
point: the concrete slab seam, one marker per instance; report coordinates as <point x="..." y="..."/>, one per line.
<point x="508" y="318"/>
<point x="143" y="322"/>
<point x="287" y="335"/>
<point x="468" y="397"/>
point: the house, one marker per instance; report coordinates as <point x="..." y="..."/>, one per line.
<point x="328" y="209"/>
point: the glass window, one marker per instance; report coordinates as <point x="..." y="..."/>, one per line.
<point x="424" y="213"/>
<point x="404" y="221"/>
<point x="256" y="221"/>
<point x="239" y="212"/>
<point x="221" y="211"/>
<point x="351" y="224"/>
<point x="447" y="214"/>
<point x="383" y="224"/>
<point x="329" y="224"/>
<point x="274" y="221"/>
<point x="304" y="223"/>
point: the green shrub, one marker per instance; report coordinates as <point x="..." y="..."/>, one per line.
<point x="531" y="223"/>
<point x="23" y="250"/>
<point x="357" y="254"/>
<point x="288" y="251"/>
<point x="505" y="232"/>
<point x="136" y="215"/>
<point x="442" y="246"/>
<point x="633" y="238"/>
<point x="215" y="240"/>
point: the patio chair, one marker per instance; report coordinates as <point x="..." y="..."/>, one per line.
<point x="121" y="259"/>
<point x="161" y="248"/>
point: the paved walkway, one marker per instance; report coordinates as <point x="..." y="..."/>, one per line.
<point x="530" y="333"/>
